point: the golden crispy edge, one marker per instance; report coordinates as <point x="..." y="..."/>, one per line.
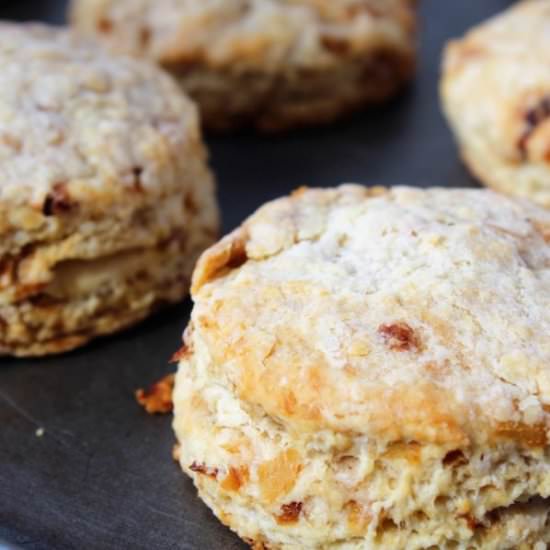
<point x="231" y="251"/>
<point x="228" y="253"/>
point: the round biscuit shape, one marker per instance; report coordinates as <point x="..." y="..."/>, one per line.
<point x="106" y="199"/>
<point x="369" y="368"/>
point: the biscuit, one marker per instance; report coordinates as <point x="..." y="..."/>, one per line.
<point x="496" y="94"/>
<point x="371" y="369"/>
<point x="106" y="199"/>
<point x="272" y="64"/>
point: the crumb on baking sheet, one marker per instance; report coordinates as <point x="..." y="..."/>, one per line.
<point x="180" y="354"/>
<point x="157" y="399"/>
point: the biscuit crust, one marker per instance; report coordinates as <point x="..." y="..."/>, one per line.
<point x="106" y="199"/>
<point x="368" y="368"/>
<point x="496" y="94"/>
<point x="270" y="64"/>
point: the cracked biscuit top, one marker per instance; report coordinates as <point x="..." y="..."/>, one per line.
<point x="410" y="314"/>
<point x="261" y="34"/>
<point x="79" y="127"/>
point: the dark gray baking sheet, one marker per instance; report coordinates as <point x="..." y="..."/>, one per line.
<point x="101" y="477"/>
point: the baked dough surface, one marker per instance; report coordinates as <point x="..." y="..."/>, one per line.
<point x="370" y="369"/>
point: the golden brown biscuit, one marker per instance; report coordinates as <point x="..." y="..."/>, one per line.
<point x="496" y="94"/>
<point x="273" y="64"/>
<point x="371" y="369"/>
<point x="105" y="196"/>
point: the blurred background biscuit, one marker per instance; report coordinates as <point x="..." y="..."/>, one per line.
<point x="271" y="64"/>
<point x="496" y="94"/>
<point x="105" y="196"/>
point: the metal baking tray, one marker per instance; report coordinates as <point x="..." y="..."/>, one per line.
<point x="101" y="476"/>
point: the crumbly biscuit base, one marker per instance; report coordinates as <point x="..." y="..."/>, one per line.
<point x="57" y="295"/>
<point x="334" y="490"/>
<point x="90" y="298"/>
